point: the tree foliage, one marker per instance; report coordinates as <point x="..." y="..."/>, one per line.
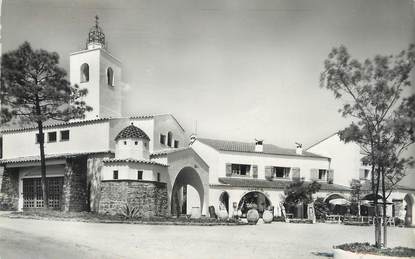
<point x="382" y="117"/>
<point x="35" y="89"/>
<point x="300" y="192"/>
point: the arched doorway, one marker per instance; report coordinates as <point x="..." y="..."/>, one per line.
<point x="224" y="199"/>
<point x="337" y="204"/>
<point x="409" y="209"/>
<point x="181" y="195"/>
<point x="253" y="199"/>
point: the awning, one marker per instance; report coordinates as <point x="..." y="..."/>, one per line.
<point x="339" y="201"/>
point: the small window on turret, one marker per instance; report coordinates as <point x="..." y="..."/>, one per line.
<point x="125" y="142"/>
<point x="84" y="73"/>
<point x="110" y="77"/>
<point x="136" y="143"/>
<point x="169" y="139"/>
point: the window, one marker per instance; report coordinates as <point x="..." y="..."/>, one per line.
<point x="52" y="136"/>
<point x="169" y="139"/>
<point x="136" y="143"/>
<point x="282" y="172"/>
<point x="162" y="139"/>
<point x="64" y="135"/>
<point x="158" y="177"/>
<point x="367" y="171"/>
<point x="139" y="175"/>
<point x="322" y="174"/>
<point x="176" y="144"/>
<point x="241" y="170"/>
<point x="37" y="138"/>
<point x="145" y="144"/>
<point x="84" y="73"/>
<point x="115" y="174"/>
<point x="125" y="142"/>
<point x="110" y="77"/>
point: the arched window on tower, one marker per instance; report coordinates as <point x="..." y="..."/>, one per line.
<point x="84" y="73"/>
<point x="110" y="77"/>
<point x="169" y="139"/>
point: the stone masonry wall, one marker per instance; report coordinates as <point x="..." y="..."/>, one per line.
<point x="9" y="195"/>
<point x="94" y="166"/>
<point x="150" y="197"/>
<point x="75" y="196"/>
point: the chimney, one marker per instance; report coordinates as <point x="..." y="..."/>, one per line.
<point x="259" y="147"/>
<point x="193" y="138"/>
<point x="299" y="149"/>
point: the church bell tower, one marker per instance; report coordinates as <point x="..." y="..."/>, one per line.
<point x="95" y="69"/>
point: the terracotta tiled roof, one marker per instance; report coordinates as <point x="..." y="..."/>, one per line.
<point x="275" y="184"/>
<point x="168" y="151"/>
<point x="128" y="160"/>
<point x="132" y="132"/>
<point x="51" y="124"/>
<point x="48" y="157"/>
<point x="236" y="146"/>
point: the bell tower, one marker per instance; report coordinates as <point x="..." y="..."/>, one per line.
<point x="95" y="69"/>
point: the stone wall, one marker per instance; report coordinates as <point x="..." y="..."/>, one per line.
<point x="75" y="197"/>
<point x="94" y="165"/>
<point x="150" y="197"/>
<point x="9" y="195"/>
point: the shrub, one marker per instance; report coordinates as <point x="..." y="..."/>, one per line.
<point x="129" y="212"/>
<point x="366" y="248"/>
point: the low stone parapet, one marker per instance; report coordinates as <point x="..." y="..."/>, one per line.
<point x="148" y="196"/>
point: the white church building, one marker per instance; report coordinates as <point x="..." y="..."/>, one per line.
<point x="106" y="160"/>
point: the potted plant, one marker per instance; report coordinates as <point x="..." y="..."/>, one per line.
<point x="252" y="215"/>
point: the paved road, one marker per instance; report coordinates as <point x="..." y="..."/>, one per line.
<point x="24" y="238"/>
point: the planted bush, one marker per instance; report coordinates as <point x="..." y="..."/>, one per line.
<point x="366" y="248"/>
<point x="129" y="212"/>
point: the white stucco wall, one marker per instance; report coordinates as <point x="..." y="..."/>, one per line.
<point x="128" y="171"/>
<point x="104" y="99"/>
<point x="345" y="158"/>
<point x="91" y="57"/>
<point x="127" y="148"/>
<point x="217" y="161"/>
<point x="162" y="125"/>
<point x="93" y="137"/>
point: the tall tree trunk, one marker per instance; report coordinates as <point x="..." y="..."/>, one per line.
<point x="378" y="233"/>
<point x="43" y="164"/>
<point x="42" y="153"/>
<point x="385" y="225"/>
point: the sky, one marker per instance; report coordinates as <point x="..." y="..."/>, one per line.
<point x="235" y="70"/>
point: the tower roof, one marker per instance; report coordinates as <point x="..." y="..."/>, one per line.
<point x="132" y="132"/>
<point x="96" y="36"/>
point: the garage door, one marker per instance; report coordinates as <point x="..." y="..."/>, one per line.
<point x="32" y="192"/>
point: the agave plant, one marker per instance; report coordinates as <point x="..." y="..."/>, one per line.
<point x="129" y="212"/>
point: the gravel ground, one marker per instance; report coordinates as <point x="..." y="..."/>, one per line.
<point x="26" y="238"/>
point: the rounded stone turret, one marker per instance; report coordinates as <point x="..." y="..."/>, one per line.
<point x="132" y="143"/>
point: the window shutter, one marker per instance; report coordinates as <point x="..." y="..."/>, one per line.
<point x="268" y="172"/>
<point x="314" y="174"/>
<point x="255" y="171"/>
<point x="295" y="173"/>
<point x="330" y="176"/>
<point x="362" y="174"/>
<point x="228" y="169"/>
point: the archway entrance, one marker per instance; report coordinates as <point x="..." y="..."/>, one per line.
<point x="182" y="196"/>
<point x="337" y="204"/>
<point x="253" y="199"/>
<point x="409" y="207"/>
<point x="224" y="199"/>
